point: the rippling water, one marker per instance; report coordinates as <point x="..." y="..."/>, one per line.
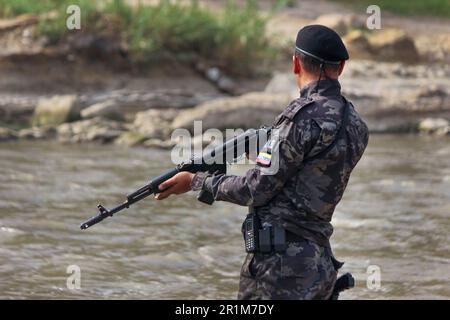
<point x="395" y="214"/>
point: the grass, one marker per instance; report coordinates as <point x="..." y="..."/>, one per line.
<point x="439" y="8"/>
<point x="234" y="39"/>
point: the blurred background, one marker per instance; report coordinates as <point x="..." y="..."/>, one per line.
<point x="87" y="112"/>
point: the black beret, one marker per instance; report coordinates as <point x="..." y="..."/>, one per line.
<point x="322" y="43"/>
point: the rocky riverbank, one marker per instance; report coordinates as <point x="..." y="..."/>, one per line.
<point x="396" y="83"/>
<point x="391" y="97"/>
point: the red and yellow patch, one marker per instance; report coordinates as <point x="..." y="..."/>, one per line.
<point x="264" y="159"/>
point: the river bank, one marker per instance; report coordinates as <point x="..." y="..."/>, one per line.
<point x="391" y="97"/>
<point x="86" y="91"/>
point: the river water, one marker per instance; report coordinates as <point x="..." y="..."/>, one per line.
<point x="394" y="216"/>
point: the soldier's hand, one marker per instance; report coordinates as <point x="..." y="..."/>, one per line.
<point x="179" y="183"/>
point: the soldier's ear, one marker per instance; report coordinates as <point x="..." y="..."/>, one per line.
<point x="295" y="64"/>
<point x="341" y="67"/>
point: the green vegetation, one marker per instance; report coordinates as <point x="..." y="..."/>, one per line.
<point x="440" y="8"/>
<point x="234" y="38"/>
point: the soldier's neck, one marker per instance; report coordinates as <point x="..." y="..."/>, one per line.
<point x="305" y="80"/>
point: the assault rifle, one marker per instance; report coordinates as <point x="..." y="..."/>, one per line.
<point x="213" y="162"/>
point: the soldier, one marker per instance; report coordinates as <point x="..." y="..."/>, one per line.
<point x="321" y="138"/>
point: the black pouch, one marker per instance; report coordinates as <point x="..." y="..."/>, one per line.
<point x="265" y="243"/>
<point x="279" y="239"/>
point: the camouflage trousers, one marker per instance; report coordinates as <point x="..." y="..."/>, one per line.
<point x="304" y="272"/>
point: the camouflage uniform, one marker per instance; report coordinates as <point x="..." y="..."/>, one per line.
<point x="300" y="196"/>
<point x="304" y="271"/>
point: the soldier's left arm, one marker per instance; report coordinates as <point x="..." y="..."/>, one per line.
<point x="260" y="184"/>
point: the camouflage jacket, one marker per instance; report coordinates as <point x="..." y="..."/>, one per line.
<point x="309" y="180"/>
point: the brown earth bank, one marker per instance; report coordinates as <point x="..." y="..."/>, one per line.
<point x="89" y="90"/>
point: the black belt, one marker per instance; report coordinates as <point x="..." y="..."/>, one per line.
<point x="270" y="239"/>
